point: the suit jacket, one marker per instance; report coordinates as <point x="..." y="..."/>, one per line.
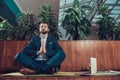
<point x="52" y="46"/>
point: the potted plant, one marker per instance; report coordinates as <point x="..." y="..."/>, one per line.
<point x="27" y="27"/>
<point x="5" y="30"/>
<point x="75" y="22"/>
<point x="47" y="15"/>
<point x="117" y="32"/>
<point x="106" y="29"/>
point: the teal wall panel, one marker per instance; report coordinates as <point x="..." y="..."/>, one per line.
<point x="13" y="7"/>
<point x="7" y="14"/>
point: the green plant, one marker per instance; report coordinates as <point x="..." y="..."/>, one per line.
<point x="5" y="30"/>
<point x="117" y="32"/>
<point x="75" y="22"/>
<point x="106" y="29"/>
<point x="47" y="15"/>
<point x="27" y="27"/>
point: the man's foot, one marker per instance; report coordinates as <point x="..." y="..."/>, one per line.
<point x="49" y="71"/>
<point x="57" y="69"/>
<point x="27" y="71"/>
<point x="52" y="70"/>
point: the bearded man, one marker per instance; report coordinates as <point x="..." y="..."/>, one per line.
<point x="42" y="54"/>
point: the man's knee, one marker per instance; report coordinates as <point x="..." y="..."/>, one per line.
<point x="19" y="56"/>
<point x="62" y="54"/>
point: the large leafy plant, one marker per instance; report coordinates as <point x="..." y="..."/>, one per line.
<point x="27" y="27"/>
<point x="47" y="15"/>
<point x="106" y="29"/>
<point x="117" y="32"/>
<point x="75" y="22"/>
<point x="5" y="30"/>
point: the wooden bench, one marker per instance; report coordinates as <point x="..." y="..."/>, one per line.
<point x="77" y="59"/>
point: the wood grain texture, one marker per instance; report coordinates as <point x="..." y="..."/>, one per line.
<point x="78" y="54"/>
<point x="8" y="51"/>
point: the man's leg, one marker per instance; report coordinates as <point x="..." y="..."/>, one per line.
<point x="27" y="61"/>
<point x="56" y="60"/>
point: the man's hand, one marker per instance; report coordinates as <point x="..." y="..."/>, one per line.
<point x="41" y="51"/>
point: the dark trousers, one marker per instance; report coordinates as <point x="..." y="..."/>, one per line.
<point x="30" y="62"/>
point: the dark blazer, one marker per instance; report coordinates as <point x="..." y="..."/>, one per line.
<point x="52" y="46"/>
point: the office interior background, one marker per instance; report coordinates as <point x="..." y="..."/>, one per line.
<point x="10" y="10"/>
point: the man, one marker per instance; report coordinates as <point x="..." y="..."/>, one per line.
<point x="42" y="54"/>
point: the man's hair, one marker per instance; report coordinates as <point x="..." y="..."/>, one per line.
<point x="44" y="23"/>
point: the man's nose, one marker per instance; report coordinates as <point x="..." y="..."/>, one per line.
<point x="44" y="27"/>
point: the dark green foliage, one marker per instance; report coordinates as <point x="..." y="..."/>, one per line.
<point x="27" y="27"/>
<point x="47" y="15"/>
<point x="75" y="22"/>
<point x="5" y="30"/>
<point x="106" y="29"/>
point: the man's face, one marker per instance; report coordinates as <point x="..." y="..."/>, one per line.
<point x="43" y="28"/>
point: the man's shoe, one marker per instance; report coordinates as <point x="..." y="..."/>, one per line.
<point x="57" y="69"/>
<point x="27" y="71"/>
<point x="49" y="71"/>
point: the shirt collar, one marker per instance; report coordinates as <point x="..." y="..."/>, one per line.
<point x="43" y="36"/>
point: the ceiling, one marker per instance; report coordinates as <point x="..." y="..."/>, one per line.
<point x="114" y="7"/>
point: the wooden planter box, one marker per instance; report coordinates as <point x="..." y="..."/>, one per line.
<point x="77" y="59"/>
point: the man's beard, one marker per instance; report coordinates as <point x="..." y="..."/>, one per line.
<point x="44" y="32"/>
